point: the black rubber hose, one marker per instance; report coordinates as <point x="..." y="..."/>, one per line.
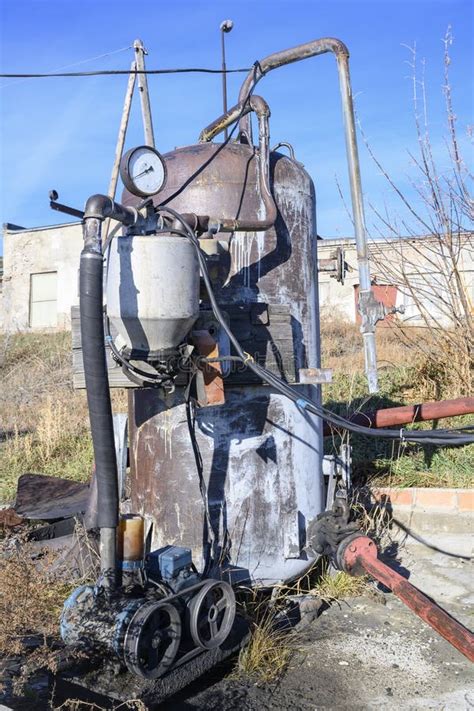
<point x="97" y="386"/>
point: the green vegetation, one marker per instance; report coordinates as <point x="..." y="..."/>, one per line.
<point x="404" y="378"/>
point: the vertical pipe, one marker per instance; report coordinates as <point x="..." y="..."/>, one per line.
<point x="368" y="325"/>
<point x="224" y="79"/>
<point x="369" y="312"/>
<point x="144" y="95"/>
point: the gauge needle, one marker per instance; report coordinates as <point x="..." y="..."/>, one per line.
<point x="144" y="172"/>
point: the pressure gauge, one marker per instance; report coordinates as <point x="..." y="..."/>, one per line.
<point x="143" y="171"/>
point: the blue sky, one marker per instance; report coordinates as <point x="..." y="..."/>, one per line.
<point x="61" y="133"/>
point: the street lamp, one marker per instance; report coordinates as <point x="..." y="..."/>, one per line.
<point x="225" y="27"/>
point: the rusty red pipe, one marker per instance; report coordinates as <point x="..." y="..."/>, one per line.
<point x="358" y="555"/>
<point x="392" y="416"/>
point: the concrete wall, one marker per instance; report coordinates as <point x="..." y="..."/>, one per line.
<point x="43" y="249"/>
<point x="57" y="248"/>
<point x="391" y="263"/>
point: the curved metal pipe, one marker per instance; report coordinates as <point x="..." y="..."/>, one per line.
<point x="368" y="307"/>
<point x="262" y="110"/>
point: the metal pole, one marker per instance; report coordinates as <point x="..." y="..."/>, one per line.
<point x="140" y="52"/>
<point x="225" y="27"/>
<point x="122" y="132"/>
<point x="120" y="141"/>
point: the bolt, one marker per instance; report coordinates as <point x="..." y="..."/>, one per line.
<point x="352" y="548"/>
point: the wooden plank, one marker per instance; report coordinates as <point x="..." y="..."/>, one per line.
<point x="271" y="345"/>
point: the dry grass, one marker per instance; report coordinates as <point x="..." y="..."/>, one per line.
<point x="339" y="586"/>
<point x="267" y="655"/>
<point x="34" y="584"/>
<point x="404" y="377"/>
<point x="77" y="705"/>
<point x="31" y="599"/>
<point x="44" y="421"/>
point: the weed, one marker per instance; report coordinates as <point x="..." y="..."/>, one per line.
<point x="339" y="586"/>
<point x="268" y="652"/>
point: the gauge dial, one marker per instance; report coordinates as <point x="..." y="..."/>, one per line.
<point x="143" y="171"/>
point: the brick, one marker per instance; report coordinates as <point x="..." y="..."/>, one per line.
<point x="398" y="497"/>
<point x="436" y="498"/>
<point x="466" y="500"/>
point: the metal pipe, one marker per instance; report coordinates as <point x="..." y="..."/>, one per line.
<point x="392" y="416"/>
<point x="370" y="314"/>
<point x="140" y="52"/>
<point x="224" y="27"/>
<point x="358" y="555"/>
<point x="262" y="110"/>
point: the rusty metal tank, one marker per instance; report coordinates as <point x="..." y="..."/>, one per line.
<point x="241" y="488"/>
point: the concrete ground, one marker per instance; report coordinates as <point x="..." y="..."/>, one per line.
<point x="371" y="652"/>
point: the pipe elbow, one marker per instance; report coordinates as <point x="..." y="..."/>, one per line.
<point x="337" y="47"/>
<point x="98" y="206"/>
<point x="260" y="107"/>
<point x="101" y="207"/>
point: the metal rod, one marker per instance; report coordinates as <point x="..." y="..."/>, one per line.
<point x="224" y="81"/>
<point x="361" y="552"/>
<point x="225" y="27"/>
<point x="367" y="304"/>
<point x="127" y="104"/>
<point x="140" y="52"/>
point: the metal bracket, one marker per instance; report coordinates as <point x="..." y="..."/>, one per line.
<point x="336" y="265"/>
<point x="315" y="376"/>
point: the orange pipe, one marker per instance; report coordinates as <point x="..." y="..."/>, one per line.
<point x="393" y="416"/>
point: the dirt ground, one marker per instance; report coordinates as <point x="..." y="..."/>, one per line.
<point x="369" y="652"/>
<point x="364" y="654"/>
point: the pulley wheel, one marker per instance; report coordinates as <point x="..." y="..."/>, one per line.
<point x="211" y="614"/>
<point x="152" y="639"/>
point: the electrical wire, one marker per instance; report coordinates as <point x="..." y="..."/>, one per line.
<point x="221" y="146"/>
<point x="121" y="72"/>
<point x="446" y="437"/>
<point x="72" y="64"/>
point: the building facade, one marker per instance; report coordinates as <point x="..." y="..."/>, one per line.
<point x="41" y="277"/>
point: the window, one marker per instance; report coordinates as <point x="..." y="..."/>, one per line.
<point x="43" y="300"/>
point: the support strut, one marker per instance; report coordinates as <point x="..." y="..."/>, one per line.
<point x="358" y="555"/>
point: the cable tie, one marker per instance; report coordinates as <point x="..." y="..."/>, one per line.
<point x="248" y="358"/>
<point x="402" y="436"/>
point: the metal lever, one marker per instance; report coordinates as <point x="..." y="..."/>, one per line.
<point x="53" y="196"/>
<point x="358" y="555"/>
